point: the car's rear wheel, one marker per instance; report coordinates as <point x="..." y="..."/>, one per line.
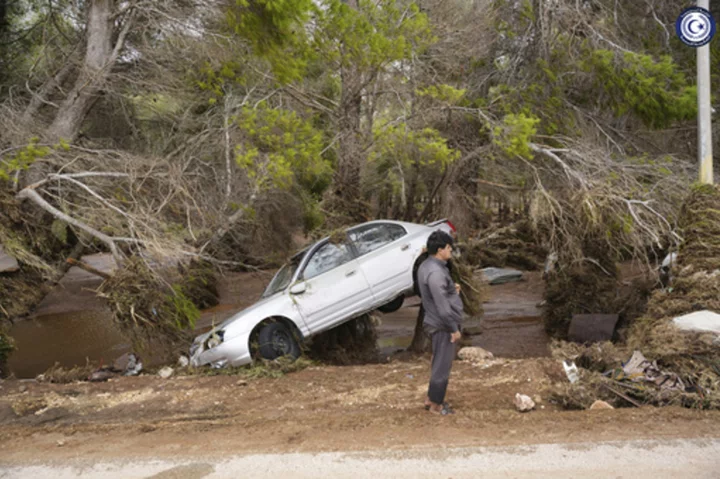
<point x="276" y="340"/>
<point x="393" y="305"/>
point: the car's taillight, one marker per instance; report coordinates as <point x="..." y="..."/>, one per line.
<point x="452" y="226"/>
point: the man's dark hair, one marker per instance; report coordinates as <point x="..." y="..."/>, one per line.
<point x="438" y="240"/>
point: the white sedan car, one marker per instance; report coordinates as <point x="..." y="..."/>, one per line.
<point x="321" y="287"/>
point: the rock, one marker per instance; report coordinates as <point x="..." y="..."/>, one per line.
<point x="183" y="361"/>
<point x="474" y="354"/>
<point x="60" y="443"/>
<point x="537" y="399"/>
<point x="523" y="403"/>
<point x="600" y="405"/>
<point x="241" y="383"/>
<point x="166" y="372"/>
<point x="699" y="321"/>
<point x="8" y="264"/>
<point x="22" y="389"/>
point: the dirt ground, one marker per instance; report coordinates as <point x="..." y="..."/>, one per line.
<point x="327" y="408"/>
<point x="316" y="409"/>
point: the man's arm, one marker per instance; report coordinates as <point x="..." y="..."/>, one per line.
<point x="436" y="281"/>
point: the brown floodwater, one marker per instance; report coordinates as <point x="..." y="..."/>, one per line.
<point x="66" y="338"/>
<point x="72" y="326"/>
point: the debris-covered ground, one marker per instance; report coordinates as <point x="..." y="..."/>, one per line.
<point x="332" y="408"/>
<point x="317" y="409"/>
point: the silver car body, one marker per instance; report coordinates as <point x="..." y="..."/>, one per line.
<point x="325" y="285"/>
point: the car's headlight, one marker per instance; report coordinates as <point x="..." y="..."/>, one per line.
<point x="215" y="339"/>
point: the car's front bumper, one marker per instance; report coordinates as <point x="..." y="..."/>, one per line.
<point x="231" y="352"/>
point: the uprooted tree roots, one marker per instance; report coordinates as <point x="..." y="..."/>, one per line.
<point x="151" y="312"/>
<point x="694" y="357"/>
<point x="353" y="342"/>
<point x="696" y="286"/>
<point x="512" y="246"/>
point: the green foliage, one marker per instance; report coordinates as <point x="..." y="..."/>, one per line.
<point x="281" y="150"/>
<point x="373" y="35"/>
<point x="367" y="38"/>
<point x="276" y="29"/>
<point x="23" y="158"/>
<point x="514" y="136"/>
<point x="443" y="93"/>
<point x="402" y="157"/>
<point x="181" y="309"/>
<point x="656" y="91"/>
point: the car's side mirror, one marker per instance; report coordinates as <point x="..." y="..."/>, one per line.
<point x="298" y="288"/>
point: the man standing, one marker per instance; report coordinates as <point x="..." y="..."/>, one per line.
<point x="443" y="314"/>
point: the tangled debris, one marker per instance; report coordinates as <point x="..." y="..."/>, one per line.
<point x="696" y="286"/>
<point x="149" y="310"/>
<point x="510" y="246"/>
<point x="353" y="342"/>
<point x="683" y="366"/>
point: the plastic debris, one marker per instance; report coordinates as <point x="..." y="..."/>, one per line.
<point x="700" y="321"/>
<point x="571" y="371"/>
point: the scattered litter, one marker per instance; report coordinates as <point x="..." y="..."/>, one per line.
<point x="166" y="372"/>
<point x="592" y="328"/>
<point x="474" y="354"/>
<point x="241" y="383"/>
<point x="100" y="375"/>
<point x="183" y="361"/>
<point x="128" y="365"/>
<point x="523" y="403"/>
<point x="501" y="275"/>
<point x="600" y="405"/>
<point x="410" y="376"/>
<point x="699" y="321"/>
<point x="571" y="371"/>
<point x="640" y="369"/>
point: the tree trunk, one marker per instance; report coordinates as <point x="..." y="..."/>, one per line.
<point x="420" y="343"/>
<point x="346" y="182"/>
<point x="98" y="58"/>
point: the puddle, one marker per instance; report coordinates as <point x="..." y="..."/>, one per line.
<point x="67" y="338"/>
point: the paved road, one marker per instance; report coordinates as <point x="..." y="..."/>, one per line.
<point x="631" y="459"/>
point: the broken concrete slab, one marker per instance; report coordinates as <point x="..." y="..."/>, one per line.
<point x="501" y="275"/>
<point x="592" y="328"/>
<point x="8" y="264"/>
<point x="700" y="321"/>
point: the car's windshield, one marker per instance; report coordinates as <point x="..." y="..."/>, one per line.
<point x="282" y="278"/>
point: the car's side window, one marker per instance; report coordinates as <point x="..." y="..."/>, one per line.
<point x="372" y="237"/>
<point x="329" y="256"/>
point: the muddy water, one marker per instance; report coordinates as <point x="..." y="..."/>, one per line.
<point x="72" y="326"/>
<point x="66" y="338"/>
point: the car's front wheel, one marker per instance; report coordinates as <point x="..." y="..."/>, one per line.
<point x="276" y="340"/>
<point x="393" y="305"/>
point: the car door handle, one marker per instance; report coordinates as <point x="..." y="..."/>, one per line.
<point x="350" y="273"/>
<point x="404" y="247"/>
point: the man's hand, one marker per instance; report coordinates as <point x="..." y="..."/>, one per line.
<point x="457" y="288"/>
<point x="455" y="337"/>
